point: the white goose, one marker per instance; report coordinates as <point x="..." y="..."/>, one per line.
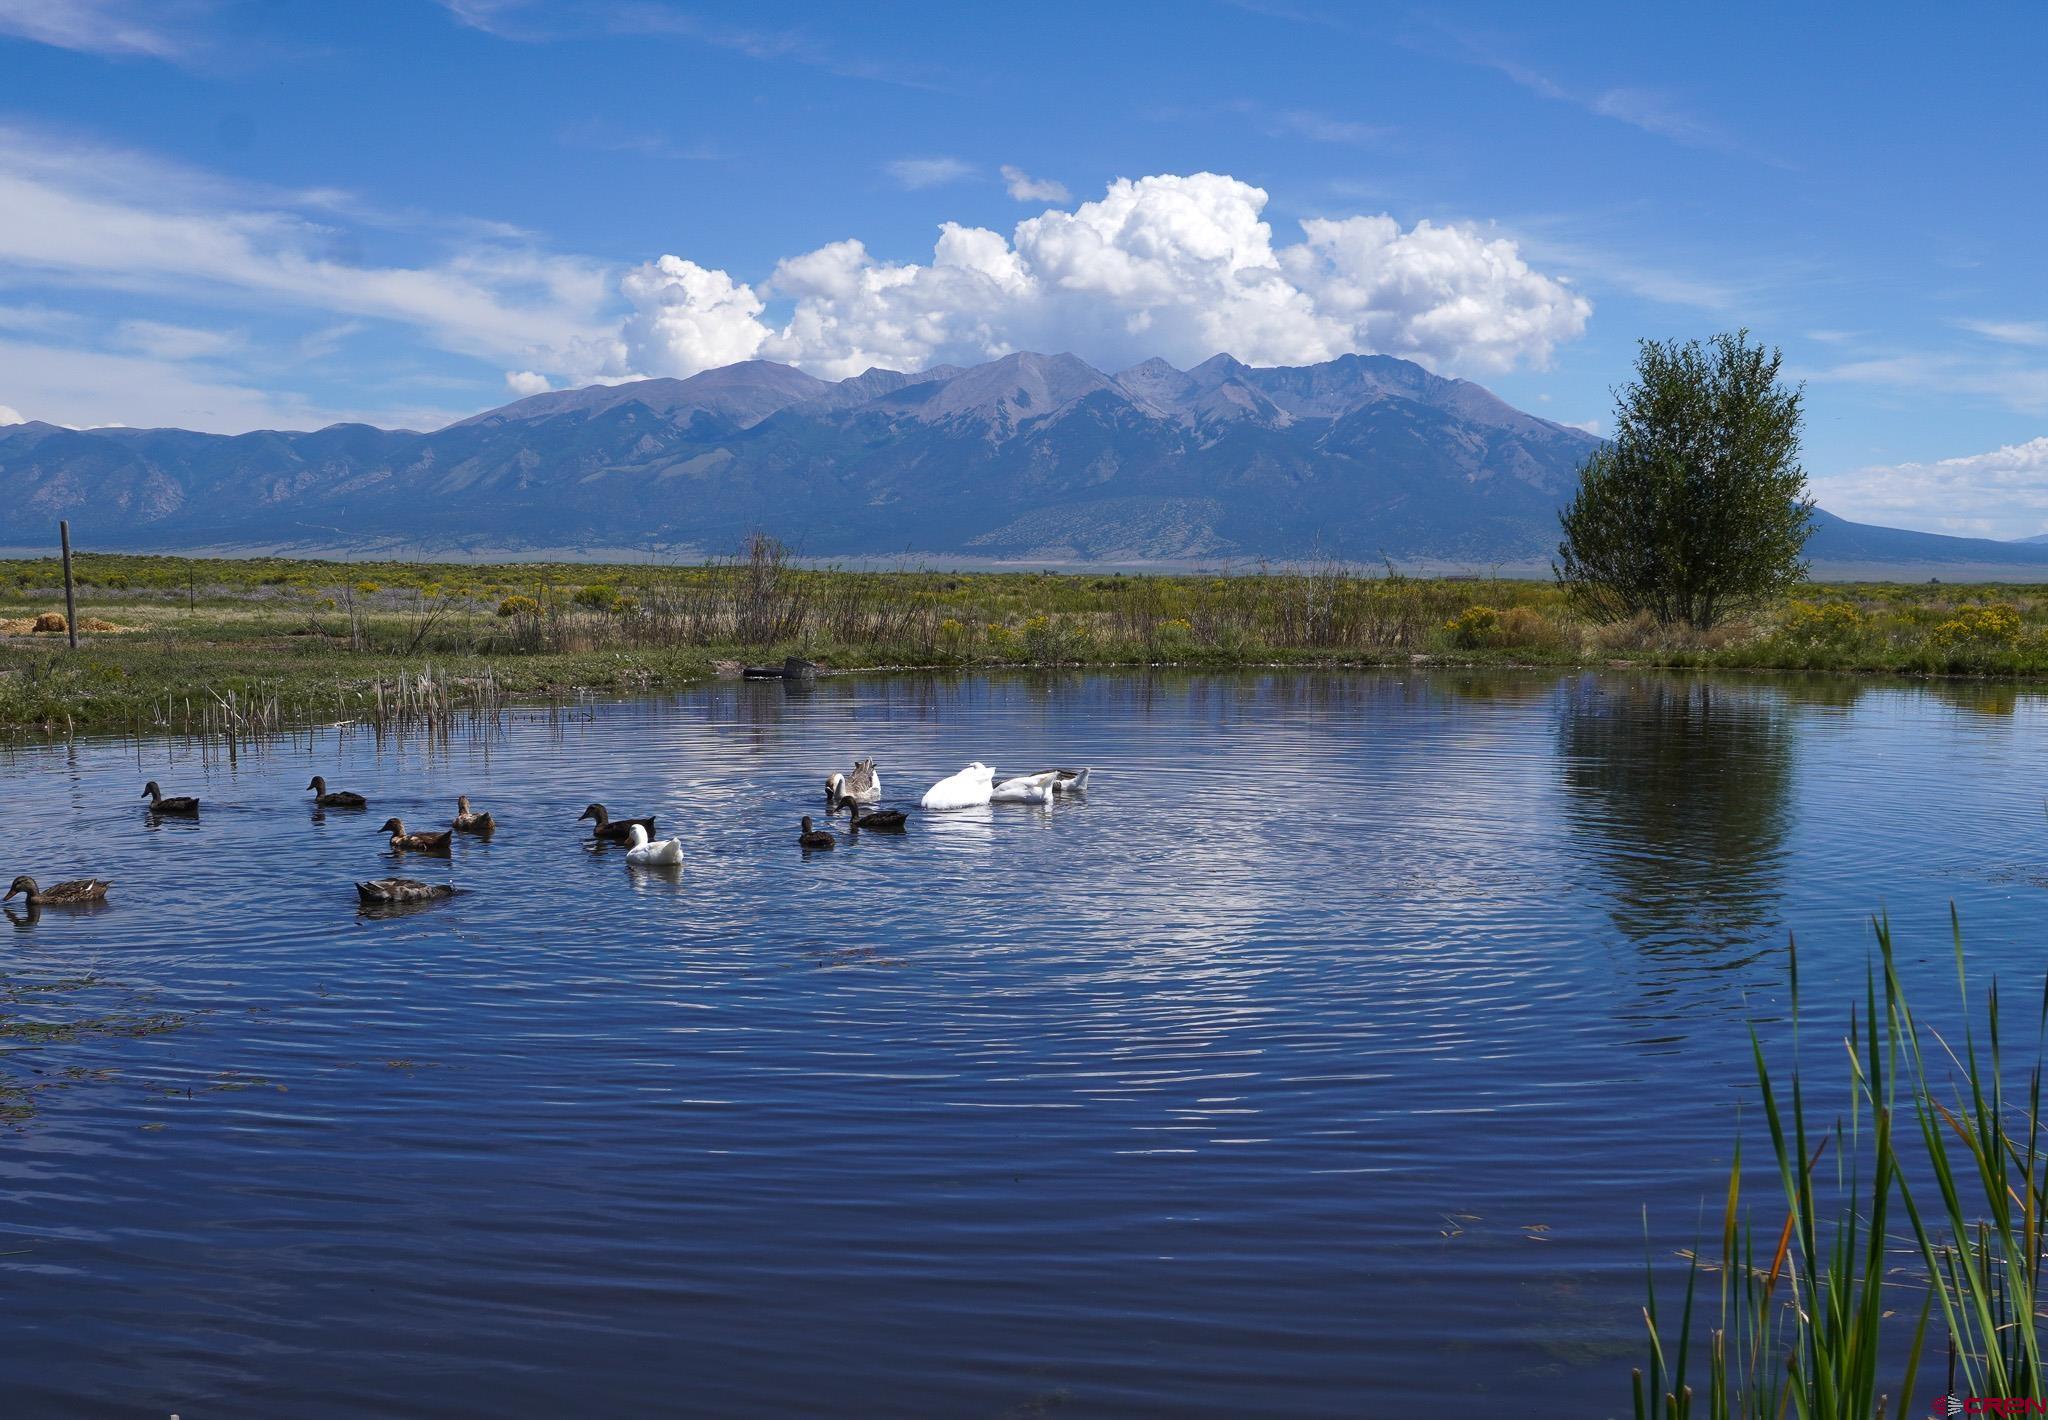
<point x="1070" y="781"/>
<point x="968" y="789"/>
<point x="1025" y="789"/>
<point x="664" y="854"/>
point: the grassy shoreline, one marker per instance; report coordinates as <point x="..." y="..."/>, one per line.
<point x="268" y="643"/>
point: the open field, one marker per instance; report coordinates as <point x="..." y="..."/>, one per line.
<point x="265" y="642"/>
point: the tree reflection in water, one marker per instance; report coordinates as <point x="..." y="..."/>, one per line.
<point x="1680" y="789"/>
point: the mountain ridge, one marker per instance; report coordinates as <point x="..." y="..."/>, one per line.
<point x="1030" y="457"/>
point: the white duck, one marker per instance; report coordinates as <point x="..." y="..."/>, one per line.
<point x="968" y="789"/>
<point x="1025" y="789"/>
<point x="643" y="854"/>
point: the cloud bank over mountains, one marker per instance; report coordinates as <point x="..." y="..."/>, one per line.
<point x="1999" y="494"/>
<point x="1182" y="266"/>
<point x="1179" y="266"/>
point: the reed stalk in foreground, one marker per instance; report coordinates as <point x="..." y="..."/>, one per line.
<point x="1935" y="1166"/>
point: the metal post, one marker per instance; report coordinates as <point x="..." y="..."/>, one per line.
<point x="70" y="597"/>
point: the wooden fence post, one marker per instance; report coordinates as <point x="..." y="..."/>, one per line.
<point x="70" y="597"/>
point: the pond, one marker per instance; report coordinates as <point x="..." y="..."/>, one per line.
<point x="1321" y="1060"/>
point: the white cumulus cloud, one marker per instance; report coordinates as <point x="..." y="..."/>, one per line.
<point x="1179" y="266"/>
<point x="526" y="382"/>
<point x="10" y="415"/>
<point x="1026" y="188"/>
<point x="2002" y="494"/>
<point x="697" y="317"/>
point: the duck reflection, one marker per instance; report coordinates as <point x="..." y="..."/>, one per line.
<point x="1682" y="788"/>
<point x="25" y="915"/>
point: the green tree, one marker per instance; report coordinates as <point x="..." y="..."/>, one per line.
<point x="1697" y="508"/>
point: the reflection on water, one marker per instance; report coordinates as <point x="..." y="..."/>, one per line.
<point x="1682" y="791"/>
<point x="1320" y="1061"/>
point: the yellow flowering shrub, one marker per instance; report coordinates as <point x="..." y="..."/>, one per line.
<point x="1980" y="628"/>
<point x="1827" y="622"/>
<point x="1473" y="627"/>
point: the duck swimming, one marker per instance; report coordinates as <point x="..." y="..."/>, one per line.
<point x="815" y="837"/>
<point x="158" y="804"/>
<point x="467" y="822"/>
<point x="403" y="842"/>
<point x="663" y="854"/>
<point x="613" y="830"/>
<point x="863" y="786"/>
<point x="382" y="892"/>
<point x="968" y="789"/>
<point x="64" y="894"/>
<point x="339" y="799"/>
<point x="879" y="820"/>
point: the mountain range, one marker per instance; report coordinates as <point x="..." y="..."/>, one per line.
<point x="1029" y="458"/>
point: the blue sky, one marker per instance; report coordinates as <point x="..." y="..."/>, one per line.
<point x="230" y="215"/>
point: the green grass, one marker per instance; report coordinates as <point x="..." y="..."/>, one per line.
<point x="206" y="639"/>
<point x="1916" y="1213"/>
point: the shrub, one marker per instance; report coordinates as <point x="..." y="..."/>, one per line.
<point x="1827" y="624"/>
<point x="1980" y="628"/>
<point x="1526" y="627"/>
<point x="519" y="606"/>
<point x="599" y="596"/>
<point x="1474" y="627"/>
<point x="1043" y="640"/>
<point x="367" y="589"/>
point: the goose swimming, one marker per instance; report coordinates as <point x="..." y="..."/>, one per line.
<point x="613" y="830"/>
<point x="815" y="837"/>
<point x="863" y="786"/>
<point x="1025" y="789"/>
<point x="382" y="892"/>
<point x="403" y="842"/>
<point x="158" y="804"/>
<point x="339" y="799"/>
<point x="65" y="894"/>
<point x="643" y="854"/>
<point x="968" y="789"/>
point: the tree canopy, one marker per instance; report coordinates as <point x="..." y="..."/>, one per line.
<point x="1696" y="509"/>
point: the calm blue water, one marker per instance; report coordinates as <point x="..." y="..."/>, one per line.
<point x="1320" y="1062"/>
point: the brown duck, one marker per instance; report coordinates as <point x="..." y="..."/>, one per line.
<point x="467" y="822"/>
<point x="614" y="830"/>
<point x="880" y="821"/>
<point x="815" y="837"/>
<point x="158" y="804"/>
<point x="339" y="799"/>
<point x="403" y="842"/>
<point x="384" y="892"/>
<point x="64" y="894"/>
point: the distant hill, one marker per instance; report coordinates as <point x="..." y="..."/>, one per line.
<point x="1032" y="458"/>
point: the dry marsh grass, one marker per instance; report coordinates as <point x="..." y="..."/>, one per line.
<point x="313" y="637"/>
